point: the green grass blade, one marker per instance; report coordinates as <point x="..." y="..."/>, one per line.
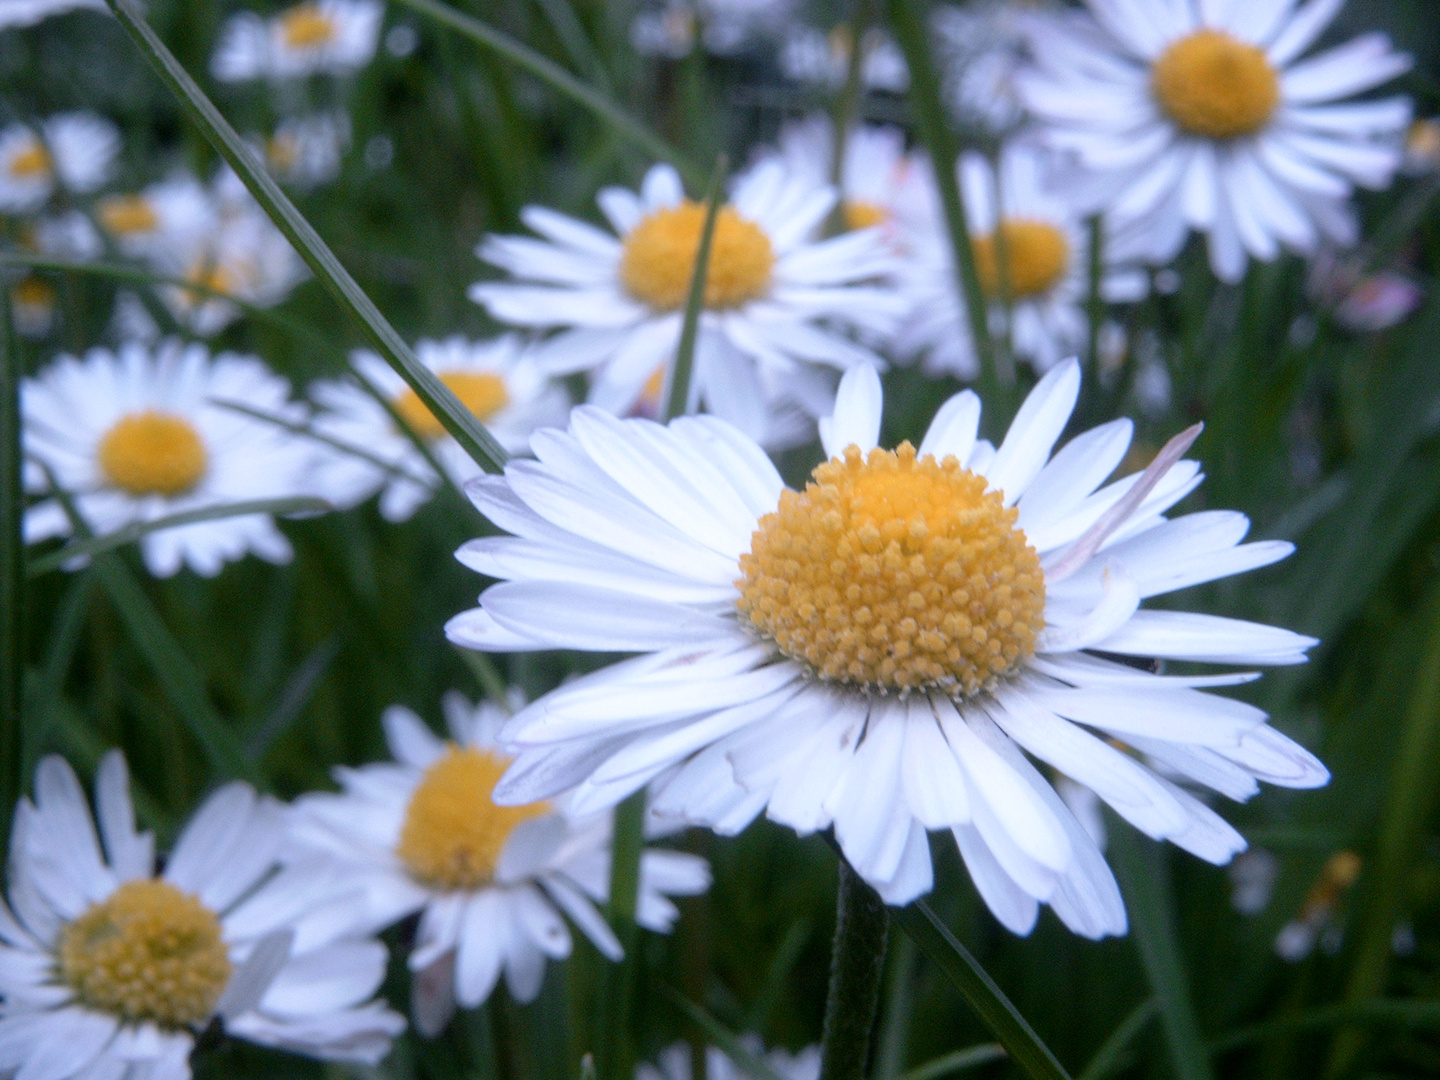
<point x="1145" y="880"/>
<point x="302" y="504"/>
<point x="551" y="73"/>
<point x="956" y="1061"/>
<point x="1107" y="1058"/>
<point x="560" y="14"/>
<point x="749" y="1064"/>
<point x="612" y="1036"/>
<point x="678" y="399"/>
<point x="998" y="1013"/>
<point x="378" y="332"/>
<point x="1407" y="1014"/>
<point x="44" y="688"/>
<point x="12" y="573"/>
<point x="293" y="698"/>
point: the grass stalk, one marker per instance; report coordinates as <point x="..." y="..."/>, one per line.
<point x="677" y="400"/>
<point x="12" y="573"/>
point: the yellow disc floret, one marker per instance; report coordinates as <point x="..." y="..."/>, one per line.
<point x="1213" y="85"/>
<point x="33" y="161"/>
<point x="128" y="215"/>
<point x="482" y="392"/>
<point x="153" y="453"/>
<point x="895" y="573"/>
<point x="149" y="952"/>
<point x="305" y="26"/>
<point x="659" y="258"/>
<point x="860" y="214"/>
<point x="1037" y="256"/>
<point x="454" y="832"/>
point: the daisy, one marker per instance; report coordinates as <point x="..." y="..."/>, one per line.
<point x="490" y="882"/>
<point x="172" y="215"/>
<point x="810" y="55"/>
<point x="982" y="46"/>
<point x="494" y="379"/>
<point x="138" y="435"/>
<point x="30" y="12"/>
<point x="1047" y="253"/>
<point x="674" y="1063"/>
<point x="771" y="294"/>
<point x="1205" y="116"/>
<point x="306" y="150"/>
<point x="108" y="969"/>
<point x="325" y="37"/>
<point x="74" y="150"/>
<point x="880" y="652"/>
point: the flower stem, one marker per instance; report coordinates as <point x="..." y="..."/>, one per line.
<point x="612" y="1036"/>
<point x="12" y="575"/>
<point x="857" y="963"/>
<point x="677" y="401"/>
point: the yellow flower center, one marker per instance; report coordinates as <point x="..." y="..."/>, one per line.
<point x="283" y="150"/>
<point x="659" y="258"/>
<point x="32" y="292"/>
<point x="1213" y="85"/>
<point x="895" y="573"/>
<point x="149" y="952"/>
<point x="212" y="278"/>
<point x="305" y="26"/>
<point x="32" y="162"/>
<point x="153" y="453"/>
<point x="126" y="215"/>
<point x="482" y="392"/>
<point x="453" y="832"/>
<point x="1036" y="258"/>
<point x="860" y="214"/>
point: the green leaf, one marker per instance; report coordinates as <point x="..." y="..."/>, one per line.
<point x="678" y="399"/>
<point x="94" y="545"/>
<point x="438" y="398"/>
<point x="749" y="1064"/>
<point x="956" y="1061"/>
<point x="996" y="1010"/>
<point x="1378" y="1012"/>
<point x="1107" y="1058"/>
<point x="293" y="697"/>
<point x="12" y="573"/>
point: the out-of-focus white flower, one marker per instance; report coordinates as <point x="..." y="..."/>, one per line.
<point x="1422" y="147"/>
<point x="30" y="12"/>
<point x="724" y="27"/>
<point x="1252" y="880"/>
<point x="170" y="215"/>
<point x="812" y="56"/>
<point x="306" y="150"/>
<point x="327" y="37"/>
<point x="673" y="1063"/>
<point x="32" y="306"/>
<point x="494" y="379"/>
<point x="1363" y="303"/>
<point x="75" y="150"/>
<point x="982" y="47"/>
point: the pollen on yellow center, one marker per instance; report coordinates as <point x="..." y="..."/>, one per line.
<point x="860" y="214"/>
<point x="33" y="161"/>
<point x="1214" y="85"/>
<point x="895" y="573"/>
<point x="127" y="215"/>
<point x="659" y="258"/>
<point x="153" y="453"/>
<point x="454" y="832"/>
<point x="305" y="26"/>
<point x="1037" y="256"/>
<point x="149" y="952"/>
<point x="482" y="392"/>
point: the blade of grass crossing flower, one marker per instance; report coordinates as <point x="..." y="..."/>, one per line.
<point x="996" y="1011"/>
<point x="1107" y="1058"/>
<point x="1145" y="880"/>
<point x="79" y="549"/>
<point x="1094" y="301"/>
<point x="750" y="1064"/>
<point x="438" y="398"/>
<point x="677" y="400"/>
<point x="842" y="112"/>
<point x="551" y="73"/>
<point x="612" y="1037"/>
<point x="956" y="1061"/>
<point x="12" y="573"/>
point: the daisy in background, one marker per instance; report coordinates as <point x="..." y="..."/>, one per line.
<point x="490" y="882"/>
<point x="1206" y="117"/>
<point x="316" y="37"/>
<point x="74" y="150"/>
<point x="982" y="48"/>
<point x="496" y="380"/>
<point x="811" y="55"/>
<point x="1046" y="261"/>
<point x="774" y="297"/>
<point x="726" y="27"/>
<point x="880" y="652"/>
<point x="674" y="1063"/>
<point x="307" y="150"/>
<point x="108" y="969"/>
<point x="169" y="216"/>
<point x="30" y="12"/>
<point x="140" y="434"/>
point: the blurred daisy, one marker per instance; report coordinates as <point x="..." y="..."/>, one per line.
<point x="1047" y="260"/>
<point x="138" y="435"/>
<point x="110" y="970"/>
<point x="982" y="46"/>
<point x="494" y="379"/>
<point x="674" y="1063"/>
<point x="74" y="150"/>
<point x="771" y="294"/>
<point x="725" y="27"/>
<point x="30" y="12"/>
<point x="1206" y="118"/>
<point x="32" y="306"/>
<point x="166" y="218"/>
<point x="811" y="55"/>
<point x="306" y="150"/>
<point x="422" y="835"/>
<point x="324" y="37"/>
<point x="879" y="652"/>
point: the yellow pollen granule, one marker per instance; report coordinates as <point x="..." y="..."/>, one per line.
<point x="149" y="952"/>
<point x="126" y="215"/>
<point x="659" y="258"/>
<point x="482" y="392"/>
<point x="860" y="214"/>
<point x="453" y="832"/>
<point x="33" y="161"/>
<point x="1211" y="84"/>
<point x="305" y="26"/>
<point x="153" y="453"/>
<point x="894" y="572"/>
<point x="1036" y="258"/>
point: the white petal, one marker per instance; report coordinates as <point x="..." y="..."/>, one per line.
<point x="1037" y="425"/>
<point x="856" y="420"/>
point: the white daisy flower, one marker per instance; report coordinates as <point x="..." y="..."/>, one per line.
<point x="879" y="652"/>
<point x="30" y="12"/>
<point x="982" y="48"/>
<point x="1203" y="115"/>
<point x="108" y="969"/>
<point x="326" y="37"/>
<point x="674" y="1063"/>
<point x="74" y="150"/>
<point x="138" y="435"/>
<point x="771" y="294"/>
<point x="168" y="217"/>
<point x="1047" y="253"/>
<point x="490" y="882"/>
<point x="810" y="55"/>
<point x="32" y="306"/>
<point x="494" y="379"/>
<point x="306" y="150"/>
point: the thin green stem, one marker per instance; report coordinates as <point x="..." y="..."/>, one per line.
<point x="1107" y="1058"/>
<point x="613" y="1037"/>
<point x="12" y="573"/>
<point x="899" y="999"/>
<point x="842" y="114"/>
<point x="857" y="962"/>
<point x="1094" y="301"/>
<point x="956" y="1061"/>
<point x="677" y="401"/>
